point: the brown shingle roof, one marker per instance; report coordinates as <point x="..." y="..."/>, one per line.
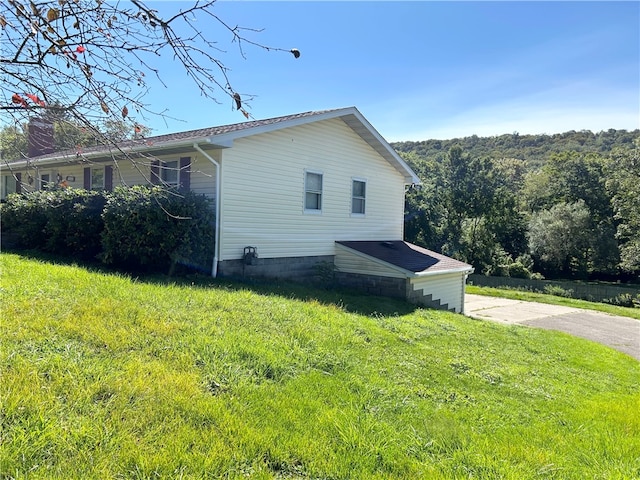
<point x="407" y="256"/>
<point x="187" y="135"/>
<point x="224" y="136"/>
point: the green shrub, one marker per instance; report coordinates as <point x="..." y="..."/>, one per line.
<point x="622" y="300"/>
<point x="155" y="229"/>
<point x="74" y="222"/>
<point x="63" y="221"/>
<point x="558" y="291"/>
<point x="518" y="270"/>
<point x="24" y="219"/>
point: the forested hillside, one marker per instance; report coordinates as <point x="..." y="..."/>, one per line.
<point x="565" y="205"/>
<point x="535" y="149"/>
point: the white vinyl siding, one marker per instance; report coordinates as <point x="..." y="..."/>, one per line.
<point x="135" y="171"/>
<point x="446" y="287"/>
<point x="271" y="167"/>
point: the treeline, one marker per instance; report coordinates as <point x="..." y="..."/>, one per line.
<point x="535" y="149"/>
<point x="546" y="209"/>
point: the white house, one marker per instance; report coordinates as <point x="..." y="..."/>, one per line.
<point x="289" y="193"/>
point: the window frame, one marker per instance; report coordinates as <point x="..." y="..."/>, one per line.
<point x="94" y="172"/>
<point x="173" y="170"/>
<point x="307" y="191"/>
<point x="363" y="198"/>
<point x="45" y="181"/>
<point x="9" y="185"/>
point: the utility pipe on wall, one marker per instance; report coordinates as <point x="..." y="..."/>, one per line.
<point x="216" y="249"/>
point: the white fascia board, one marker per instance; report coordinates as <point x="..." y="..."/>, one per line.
<point x="465" y="270"/>
<point x="411" y="178"/>
<point x="387" y="151"/>
<point x="271" y="127"/>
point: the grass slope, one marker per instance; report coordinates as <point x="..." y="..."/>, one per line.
<point x="108" y="377"/>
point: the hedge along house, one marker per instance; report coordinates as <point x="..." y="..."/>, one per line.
<point x="290" y="193"/>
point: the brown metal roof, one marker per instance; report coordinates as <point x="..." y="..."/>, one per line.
<point x="407" y="256"/>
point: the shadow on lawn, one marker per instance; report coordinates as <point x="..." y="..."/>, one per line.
<point x="349" y="300"/>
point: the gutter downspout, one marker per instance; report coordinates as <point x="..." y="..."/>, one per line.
<point x="216" y="249"/>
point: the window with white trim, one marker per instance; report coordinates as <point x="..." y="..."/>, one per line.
<point x="312" y="192"/>
<point x="97" y="178"/>
<point x="45" y="180"/>
<point x="358" y="196"/>
<point x="169" y="172"/>
<point x="8" y="185"/>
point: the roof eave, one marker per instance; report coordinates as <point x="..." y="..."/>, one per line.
<point x="428" y="273"/>
<point x="467" y="269"/>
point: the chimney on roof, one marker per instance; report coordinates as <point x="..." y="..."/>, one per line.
<point x="40" y="137"/>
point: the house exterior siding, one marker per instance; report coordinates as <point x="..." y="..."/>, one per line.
<point x="303" y="190"/>
<point x="447" y="288"/>
<point x="263" y="192"/>
<point x="129" y="172"/>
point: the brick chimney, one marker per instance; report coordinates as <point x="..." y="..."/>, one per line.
<point x="40" y="137"/>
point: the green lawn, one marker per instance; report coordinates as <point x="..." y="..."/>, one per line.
<point x="554" y="300"/>
<point x="104" y="376"/>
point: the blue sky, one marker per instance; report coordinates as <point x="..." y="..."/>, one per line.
<point x="423" y="70"/>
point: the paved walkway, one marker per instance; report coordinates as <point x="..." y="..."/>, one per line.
<point x="621" y="333"/>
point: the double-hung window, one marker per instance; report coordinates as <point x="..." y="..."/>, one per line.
<point x="45" y="180"/>
<point x="97" y="179"/>
<point x="358" y="196"/>
<point x="169" y="173"/>
<point x="313" y="192"/>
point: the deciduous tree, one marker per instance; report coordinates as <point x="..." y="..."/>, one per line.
<point x="91" y="59"/>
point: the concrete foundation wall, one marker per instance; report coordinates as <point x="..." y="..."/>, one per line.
<point x="374" y="284"/>
<point x="292" y="268"/>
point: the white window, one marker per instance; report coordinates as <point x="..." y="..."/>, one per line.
<point x="45" y="180"/>
<point x="8" y="185"/>
<point x="97" y="179"/>
<point x="169" y="172"/>
<point x="313" y="192"/>
<point x="358" y="196"/>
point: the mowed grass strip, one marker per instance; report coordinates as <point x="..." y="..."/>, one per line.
<point x="104" y="376"/>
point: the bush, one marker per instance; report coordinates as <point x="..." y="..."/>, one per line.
<point x="155" y="229"/>
<point x="518" y="270"/>
<point x="622" y="300"/>
<point x="66" y="222"/>
<point x="74" y="222"/>
<point x="557" y="291"/>
<point x="24" y="219"/>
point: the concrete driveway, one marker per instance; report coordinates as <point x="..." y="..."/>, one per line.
<point x="621" y="333"/>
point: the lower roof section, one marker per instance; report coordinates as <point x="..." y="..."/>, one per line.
<point x="407" y="256"/>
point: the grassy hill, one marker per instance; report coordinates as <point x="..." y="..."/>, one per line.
<point x="105" y="376"/>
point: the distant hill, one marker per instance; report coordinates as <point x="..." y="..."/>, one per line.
<point x="535" y="149"/>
